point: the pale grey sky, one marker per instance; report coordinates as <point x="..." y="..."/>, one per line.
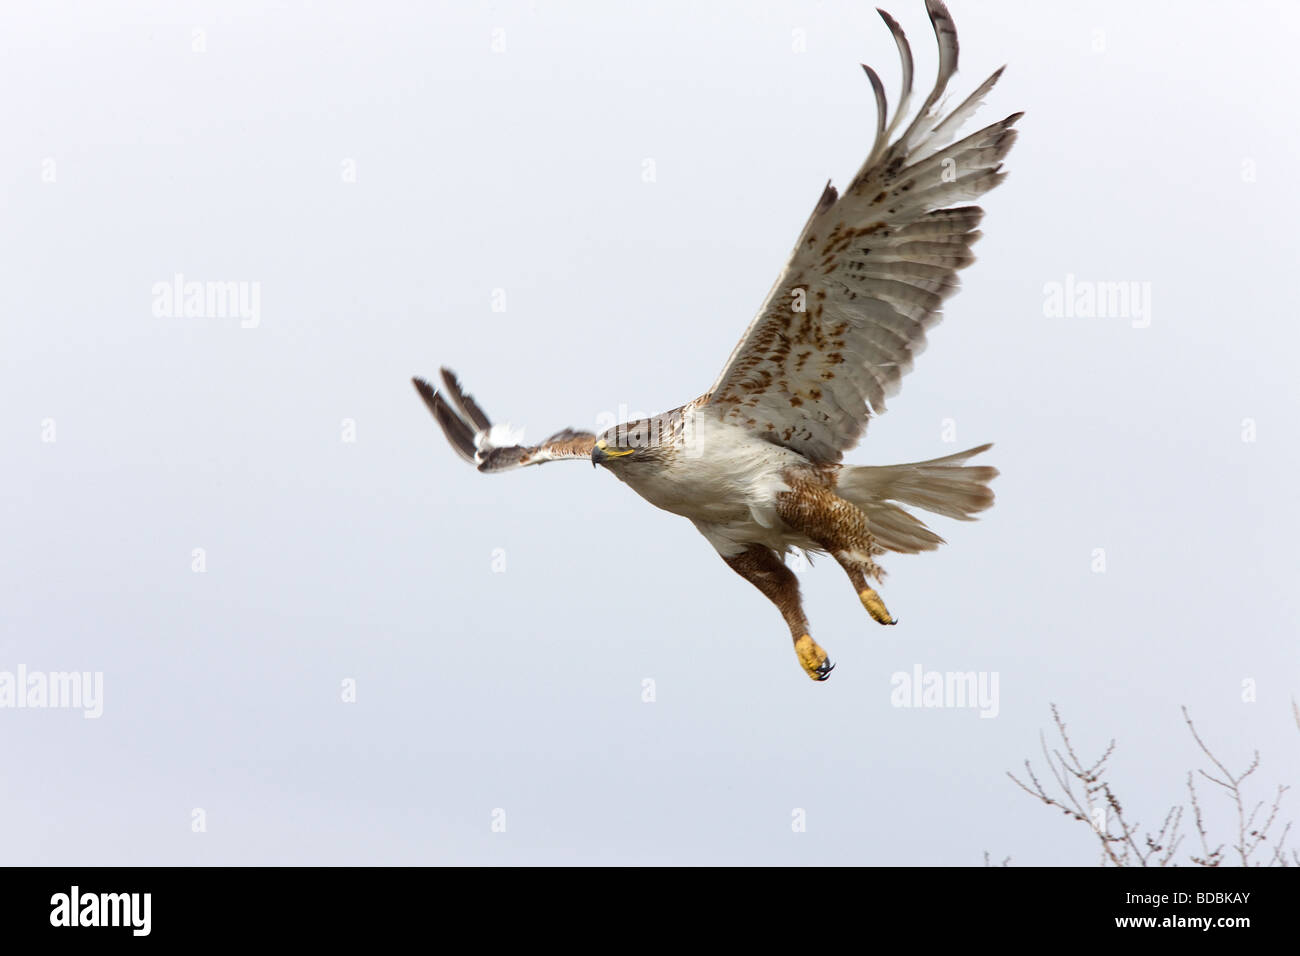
<point x="379" y="171"/>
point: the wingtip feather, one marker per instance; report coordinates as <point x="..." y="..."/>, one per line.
<point x="882" y="108"/>
<point x="464" y="402"/>
<point x="458" y="432"/>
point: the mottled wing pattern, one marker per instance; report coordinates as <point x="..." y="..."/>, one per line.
<point x="489" y="447"/>
<point x="869" y="272"/>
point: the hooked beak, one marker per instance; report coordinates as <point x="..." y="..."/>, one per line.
<point x="600" y="453"/>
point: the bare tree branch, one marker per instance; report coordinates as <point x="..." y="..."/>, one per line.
<point x="1083" y="793"/>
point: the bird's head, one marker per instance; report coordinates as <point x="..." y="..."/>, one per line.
<point x="628" y="443"/>
<point x="608" y="452"/>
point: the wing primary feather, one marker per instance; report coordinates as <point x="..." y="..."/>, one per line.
<point x="944" y="131"/>
<point x="426" y="392"/>
<point x="458" y="432"/>
<point x="468" y="407"/>
<point x="882" y="109"/>
<point x="945" y="34"/>
<point x="904" y="54"/>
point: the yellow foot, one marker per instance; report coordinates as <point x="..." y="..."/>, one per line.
<point x="813" y="659"/>
<point x="876" y="607"/>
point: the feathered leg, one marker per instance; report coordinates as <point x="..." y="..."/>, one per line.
<point x="840" y="528"/>
<point x="763" y="568"/>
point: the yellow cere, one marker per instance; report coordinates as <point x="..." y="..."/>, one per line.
<point x="604" y="447"/>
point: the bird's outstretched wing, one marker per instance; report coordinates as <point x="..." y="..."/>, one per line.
<point x="488" y="447"/>
<point x="869" y="272"/>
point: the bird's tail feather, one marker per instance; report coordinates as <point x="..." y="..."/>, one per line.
<point x="945" y="486"/>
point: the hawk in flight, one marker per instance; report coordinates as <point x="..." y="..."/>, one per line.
<point x="756" y="461"/>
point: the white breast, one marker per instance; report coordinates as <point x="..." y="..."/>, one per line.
<point x="723" y="478"/>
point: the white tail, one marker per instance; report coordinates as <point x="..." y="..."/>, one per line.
<point x="945" y="486"/>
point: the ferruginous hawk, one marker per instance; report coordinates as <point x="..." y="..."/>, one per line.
<point x="755" y="462"/>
